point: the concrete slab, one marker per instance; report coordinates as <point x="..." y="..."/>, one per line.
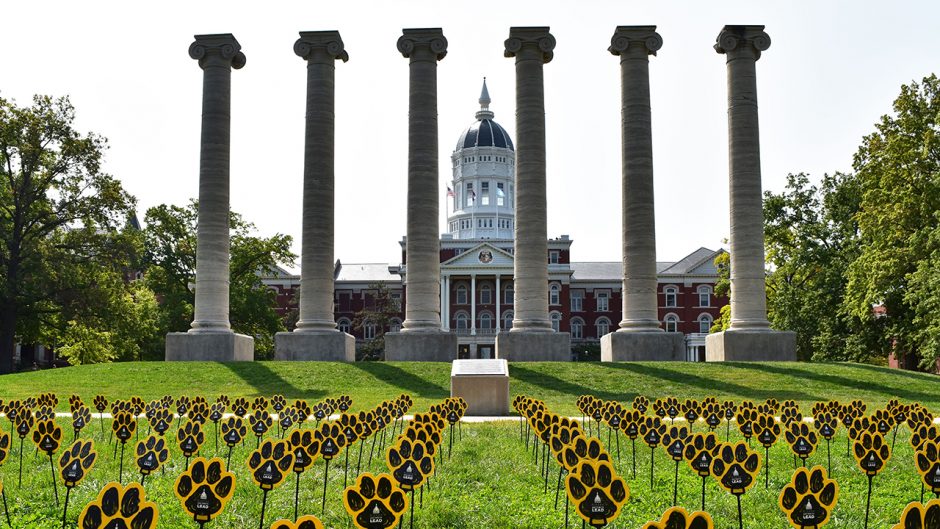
<point x="420" y="346"/>
<point x="751" y="346"/>
<point x="484" y="384"/>
<point x="209" y="347"/>
<point x="534" y="346"/>
<point x="642" y="346"/>
<point x="330" y="346"/>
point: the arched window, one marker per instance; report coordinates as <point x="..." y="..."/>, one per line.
<point x="461" y="294"/>
<point x="463" y="321"/>
<point x="556" y="320"/>
<point x="507" y="320"/>
<point x="344" y="325"/>
<point x="394" y="325"/>
<point x="704" y="296"/>
<point x="508" y="294"/>
<point x="554" y="295"/>
<point x="486" y="320"/>
<point x="704" y="323"/>
<point x="577" y="328"/>
<point x="672" y="323"/>
<point x="672" y="295"/>
<point x="368" y="330"/>
<point x="602" y="325"/>
<point x="485" y="295"/>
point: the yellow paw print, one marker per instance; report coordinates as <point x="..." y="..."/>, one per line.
<point x="151" y="454"/>
<point x="597" y="492"/>
<point x="304" y="522"/>
<point x="735" y="467"/>
<point x="190" y="438"/>
<point x="205" y="488"/>
<point x="270" y="464"/>
<point x="375" y="501"/>
<point x="679" y="518"/>
<point x="47" y="436"/>
<point x="118" y="506"/>
<point x="76" y="462"/>
<point x="809" y="498"/>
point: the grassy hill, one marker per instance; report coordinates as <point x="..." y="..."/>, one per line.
<point x="558" y="384"/>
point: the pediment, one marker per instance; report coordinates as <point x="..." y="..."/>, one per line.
<point x="481" y="255"/>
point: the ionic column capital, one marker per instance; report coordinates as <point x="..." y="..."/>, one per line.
<point x="635" y="40"/>
<point x="742" y="41"/>
<point x="530" y="40"/>
<point x="217" y="50"/>
<point x="423" y="44"/>
<point x="321" y="46"/>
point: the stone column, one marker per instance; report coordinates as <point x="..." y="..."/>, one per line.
<point x="473" y="304"/>
<point x="316" y="336"/>
<point x="211" y="336"/>
<point x="497" y="323"/>
<point x="421" y="337"/>
<point x="640" y="337"/>
<point x="531" y="336"/>
<point x="749" y="336"/>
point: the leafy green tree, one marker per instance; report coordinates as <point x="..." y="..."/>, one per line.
<point x="723" y="288"/>
<point x="170" y="269"/>
<point x="60" y="218"/>
<point x="379" y="309"/>
<point x="898" y="167"/>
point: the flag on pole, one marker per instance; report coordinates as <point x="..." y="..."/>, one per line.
<point x="450" y="192"/>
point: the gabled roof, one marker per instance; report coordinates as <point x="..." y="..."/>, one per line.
<point x="471" y="257"/>
<point x="699" y="262"/>
<point x="366" y="273"/>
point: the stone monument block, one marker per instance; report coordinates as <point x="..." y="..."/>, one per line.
<point x="331" y="346"/>
<point x="642" y="346"/>
<point x="751" y="346"/>
<point x="420" y="346"/>
<point x="484" y="384"/>
<point x="534" y="346"/>
<point x="209" y="347"/>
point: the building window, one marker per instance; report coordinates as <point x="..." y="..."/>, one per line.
<point x="704" y="323"/>
<point x="704" y="296"/>
<point x="508" y="295"/>
<point x="672" y="294"/>
<point x="603" y="301"/>
<point x="344" y="325"/>
<point x="603" y="326"/>
<point x="556" y="321"/>
<point x="554" y="295"/>
<point x="577" y="328"/>
<point x="461" y="295"/>
<point x="672" y="323"/>
<point x="368" y="330"/>
<point x="470" y="194"/>
<point x="485" y="298"/>
<point x="507" y="320"/>
<point x="554" y="256"/>
<point x="463" y="322"/>
<point x="500" y="194"/>
<point x="485" y="193"/>
<point x="577" y="300"/>
<point x="394" y="325"/>
<point x="486" y="321"/>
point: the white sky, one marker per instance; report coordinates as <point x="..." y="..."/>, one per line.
<point x="833" y="68"/>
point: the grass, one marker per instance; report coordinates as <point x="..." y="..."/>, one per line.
<point x="491" y="480"/>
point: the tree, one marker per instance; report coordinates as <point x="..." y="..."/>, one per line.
<point x="378" y="311"/>
<point x="170" y="271"/>
<point x="723" y="288"/>
<point x="60" y="216"/>
<point x="898" y="167"/>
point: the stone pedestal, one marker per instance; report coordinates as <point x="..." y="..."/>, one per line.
<point x="328" y="346"/>
<point x="642" y="346"/>
<point x="533" y="346"/>
<point x="420" y="346"/>
<point x="751" y="346"/>
<point x="484" y="384"/>
<point x="209" y="347"/>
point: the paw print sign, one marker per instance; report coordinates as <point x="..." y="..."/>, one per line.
<point x="826" y="425"/>
<point x="205" y="488"/>
<point x="305" y="447"/>
<point x="233" y="431"/>
<point x="199" y="412"/>
<point x="76" y="462"/>
<point x="699" y="452"/>
<point x="216" y="412"/>
<point x="182" y="405"/>
<point x="922" y="434"/>
<point x="802" y="439"/>
<point x="303" y="409"/>
<point x="332" y="440"/>
<point x="4" y="447"/>
<point x="641" y="404"/>
<point x="735" y="467"/>
<point x="288" y="418"/>
<point x="920" y="516"/>
<point x="47" y="436"/>
<point x="809" y="498"/>
<point x="766" y="429"/>
<point x="260" y="403"/>
<point x="260" y="422"/>
<point x="630" y="423"/>
<point x="652" y="429"/>
<point x="304" y="522"/>
<point x="410" y="463"/>
<point x="928" y="465"/>
<point x="344" y="402"/>
<point x="100" y="403"/>
<point x="81" y="416"/>
<point x="240" y="407"/>
<point x="24" y="423"/>
<point x="691" y="410"/>
<point x="597" y="492"/>
<point x="270" y="464"/>
<point x="674" y="441"/>
<point x="679" y="518"/>
<point x="124" y="425"/>
<point x="160" y="420"/>
<point x="117" y="506"/>
<point x="190" y="438"/>
<point x="375" y="501"/>
<point x="151" y="453"/>
<point x="871" y="452"/>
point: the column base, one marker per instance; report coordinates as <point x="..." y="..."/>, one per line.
<point x="525" y="346"/>
<point x="484" y="384"/>
<point x="330" y="346"/>
<point x="642" y="346"/>
<point x="420" y="346"/>
<point x="209" y="347"/>
<point x="751" y="346"/>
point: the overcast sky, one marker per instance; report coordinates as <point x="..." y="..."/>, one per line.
<point x="833" y="68"/>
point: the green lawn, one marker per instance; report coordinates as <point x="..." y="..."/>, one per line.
<point x="490" y="480"/>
